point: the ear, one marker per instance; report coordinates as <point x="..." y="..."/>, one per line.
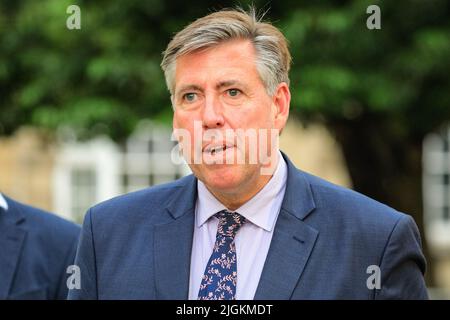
<point x="281" y="101"/>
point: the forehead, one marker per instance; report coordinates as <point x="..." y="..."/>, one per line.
<point x="231" y="59"/>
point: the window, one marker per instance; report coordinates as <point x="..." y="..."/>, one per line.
<point x="83" y="188"/>
<point x="89" y="172"/>
<point x="436" y="187"/>
<point x="85" y="173"/>
<point x="147" y="158"/>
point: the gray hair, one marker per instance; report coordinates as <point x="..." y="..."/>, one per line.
<point x="273" y="59"/>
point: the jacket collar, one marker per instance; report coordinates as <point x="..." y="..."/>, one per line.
<point x="298" y="199"/>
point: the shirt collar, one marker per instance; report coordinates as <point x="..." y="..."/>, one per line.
<point x="3" y="203"/>
<point x="260" y="210"/>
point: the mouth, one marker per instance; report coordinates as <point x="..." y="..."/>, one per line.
<point x="212" y="149"/>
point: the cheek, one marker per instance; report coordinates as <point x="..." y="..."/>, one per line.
<point x="184" y="120"/>
<point x="189" y="130"/>
<point x="176" y="119"/>
<point x="182" y="130"/>
<point x="246" y="117"/>
<point x="262" y="116"/>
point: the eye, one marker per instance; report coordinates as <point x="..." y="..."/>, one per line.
<point x="234" y="92"/>
<point x="190" y="97"/>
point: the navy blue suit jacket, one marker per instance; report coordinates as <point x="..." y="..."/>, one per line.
<point x="138" y="246"/>
<point x="35" y="249"/>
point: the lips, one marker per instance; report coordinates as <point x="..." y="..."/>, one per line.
<point x="217" y="147"/>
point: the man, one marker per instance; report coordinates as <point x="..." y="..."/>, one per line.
<point x="36" y="248"/>
<point x="242" y="229"/>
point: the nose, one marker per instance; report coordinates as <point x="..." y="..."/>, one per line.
<point x="212" y="113"/>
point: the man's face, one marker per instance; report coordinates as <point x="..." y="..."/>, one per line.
<point x="220" y="89"/>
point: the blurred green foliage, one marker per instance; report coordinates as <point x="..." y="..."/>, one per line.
<point x="342" y="70"/>
<point x="106" y="76"/>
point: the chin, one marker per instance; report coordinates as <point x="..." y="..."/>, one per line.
<point x="222" y="177"/>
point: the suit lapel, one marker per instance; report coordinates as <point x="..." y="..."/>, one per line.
<point x="173" y="244"/>
<point x="291" y="246"/>
<point x="11" y="239"/>
<point x="292" y="242"/>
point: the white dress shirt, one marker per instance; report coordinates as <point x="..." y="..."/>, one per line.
<point x="3" y="203"/>
<point x="252" y="240"/>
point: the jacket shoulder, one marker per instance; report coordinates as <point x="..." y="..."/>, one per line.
<point x="44" y="222"/>
<point x="341" y="203"/>
<point x="139" y="204"/>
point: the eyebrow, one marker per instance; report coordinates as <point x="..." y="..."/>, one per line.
<point x="189" y="87"/>
<point x="230" y="83"/>
<point x="220" y="85"/>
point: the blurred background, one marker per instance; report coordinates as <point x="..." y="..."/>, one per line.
<point x="85" y="114"/>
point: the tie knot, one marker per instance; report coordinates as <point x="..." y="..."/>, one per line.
<point x="229" y="223"/>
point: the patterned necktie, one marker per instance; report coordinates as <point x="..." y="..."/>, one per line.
<point x="219" y="279"/>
